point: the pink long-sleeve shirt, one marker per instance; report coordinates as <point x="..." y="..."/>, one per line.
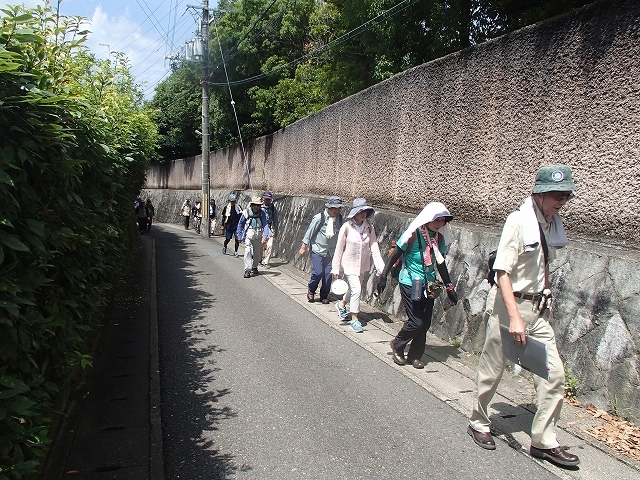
<point x="354" y="251"/>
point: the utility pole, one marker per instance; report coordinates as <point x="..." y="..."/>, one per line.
<point x="206" y="185"/>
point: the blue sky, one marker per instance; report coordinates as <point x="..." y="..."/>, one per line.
<point x="146" y="31"/>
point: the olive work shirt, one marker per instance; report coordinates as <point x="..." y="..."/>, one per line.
<point x="524" y="264"/>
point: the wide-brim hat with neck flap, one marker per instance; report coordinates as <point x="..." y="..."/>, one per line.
<point x="359" y="205"/>
<point x="255" y="201"/>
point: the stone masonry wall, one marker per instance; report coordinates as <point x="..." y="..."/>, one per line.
<point x="596" y="316"/>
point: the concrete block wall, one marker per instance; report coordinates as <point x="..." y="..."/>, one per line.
<point x="596" y="316"/>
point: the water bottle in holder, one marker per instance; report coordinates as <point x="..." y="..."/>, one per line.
<point x="417" y="287"/>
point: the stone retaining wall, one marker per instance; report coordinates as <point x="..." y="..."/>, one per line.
<point x="597" y="290"/>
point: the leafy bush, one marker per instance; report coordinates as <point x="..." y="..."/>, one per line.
<point x="68" y="176"/>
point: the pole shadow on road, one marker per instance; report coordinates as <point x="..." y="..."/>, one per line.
<point x="189" y="406"/>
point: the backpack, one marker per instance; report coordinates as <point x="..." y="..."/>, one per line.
<point x="491" y="274"/>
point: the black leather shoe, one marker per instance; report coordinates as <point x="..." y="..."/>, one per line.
<point x="482" y="439"/>
<point x="254" y="271"/>
<point x="398" y="356"/>
<point x="416" y="363"/>
<point x="558" y="455"/>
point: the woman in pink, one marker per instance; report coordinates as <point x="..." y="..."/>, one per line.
<point x="357" y="243"/>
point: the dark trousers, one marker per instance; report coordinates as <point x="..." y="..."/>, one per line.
<point x="321" y="271"/>
<point x="142" y="224"/>
<point x="415" y="328"/>
<point x="228" y="234"/>
<point x="186" y="222"/>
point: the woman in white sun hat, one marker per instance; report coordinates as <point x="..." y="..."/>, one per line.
<point x="421" y="247"/>
<point x="357" y="243"/>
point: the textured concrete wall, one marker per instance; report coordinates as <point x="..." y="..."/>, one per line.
<point x="597" y="290"/>
<point x="470" y="129"/>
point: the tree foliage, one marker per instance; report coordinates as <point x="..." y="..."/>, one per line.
<point x="286" y="59"/>
<point x="73" y="154"/>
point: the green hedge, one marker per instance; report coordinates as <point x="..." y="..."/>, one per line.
<point x="66" y="200"/>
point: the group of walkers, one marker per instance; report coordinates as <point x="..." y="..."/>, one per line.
<point x="519" y="299"/>
<point x="256" y="226"/>
<point x="144" y="212"/>
<point x="189" y="211"/>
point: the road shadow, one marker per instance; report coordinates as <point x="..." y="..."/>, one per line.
<point x="190" y="406"/>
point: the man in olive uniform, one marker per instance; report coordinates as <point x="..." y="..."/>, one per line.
<point x="529" y="240"/>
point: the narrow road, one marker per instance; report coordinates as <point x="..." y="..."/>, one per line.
<point x="256" y="387"/>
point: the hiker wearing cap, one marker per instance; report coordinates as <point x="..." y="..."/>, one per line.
<point x="272" y="219"/>
<point x="357" y="243"/>
<point x="185" y="211"/>
<point x="230" y="217"/>
<point x="321" y="237"/>
<point x="421" y="249"/>
<point x="253" y="230"/>
<point x="528" y="243"/>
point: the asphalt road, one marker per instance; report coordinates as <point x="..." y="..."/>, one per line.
<point x="256" y="387"/>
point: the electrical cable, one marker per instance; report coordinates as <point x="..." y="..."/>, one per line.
<point x="233" y="105"/>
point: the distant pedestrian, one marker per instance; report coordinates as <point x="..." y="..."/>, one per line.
<point x="230" y="218"/>
<point x="421" y="249"/>
<point x="141" y="216"/>
<point x="196" y="213"/>
<point x="320" y="238"/>
<point x="357" y="243"/>
<point x="212" y="216"/>
<point x="150" y="211"/>
<point x="253" y="230"/>
<point x="185" y="211"/>
<point x="272" y="219"/>
<point x="530" y="237"/>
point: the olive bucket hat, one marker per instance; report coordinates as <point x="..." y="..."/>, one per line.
<point x="554" y="178"/>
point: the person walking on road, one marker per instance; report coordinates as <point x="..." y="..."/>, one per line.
<point x="421" y="250"/>
<point x="321" y="237"/>
<point x="141" y="215"/>
<point x="229" y="221"/>
<point x="357" y="243"/>
<point x="185" y="211"/>
<point x="212" y="216"/>
<point x="150" y="211"/>
<point x="272" y="219"/>
<point x="253" y="230"/>
<point x="528" y="243"/>
<point x="196" y="212"/>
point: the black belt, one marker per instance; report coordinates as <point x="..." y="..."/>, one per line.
<point x="527" y="296"/>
